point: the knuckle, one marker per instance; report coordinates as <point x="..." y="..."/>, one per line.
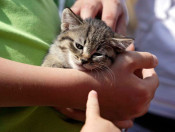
<point x="150" y="58"/>
<point x="117" y="2"/>
<point x="140" y="111"/>
<point x="110" y="17"/>
<point x="130" y="60"/>
<point x="143" y="110"/>
<point x="143" y="97"/>
<point x="89" y="6"/>
<point x="144" y="94"/>
<point x="127" y="61"/>
<point x="131" y="63"/>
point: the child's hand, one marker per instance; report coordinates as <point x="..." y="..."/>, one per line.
<point x="95" y="123"/>
<point x="126" y="91"/>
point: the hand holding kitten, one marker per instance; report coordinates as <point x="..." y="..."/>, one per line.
<point x="129" y="96"/>
<point x="119" y="86"/>
<point x="112" y="12"/>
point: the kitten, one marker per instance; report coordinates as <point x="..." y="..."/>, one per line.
<point x="84" y="44"/>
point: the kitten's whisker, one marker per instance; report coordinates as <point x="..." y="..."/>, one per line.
<point x="109" y="72"/>
<point x="113" y="77"/>
<point x="102" y="68"/>
<point x="97" y="72"/>
<point x="101" y="71"/>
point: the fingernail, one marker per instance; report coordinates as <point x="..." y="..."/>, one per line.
<point x="93" y="92"/>
<point x="155" y="60"/>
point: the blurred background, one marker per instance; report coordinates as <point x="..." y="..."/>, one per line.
<point x="132" y="25"/>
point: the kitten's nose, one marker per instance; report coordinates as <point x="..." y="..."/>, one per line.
<point x="84" y="61"/>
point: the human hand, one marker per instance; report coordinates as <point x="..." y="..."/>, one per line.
<point x="130" y="93"/>
<point x="79" y="115"/>
<point x="94" y="122"/>
<point x="112" y="12"/>
<point x="127" y="95"/>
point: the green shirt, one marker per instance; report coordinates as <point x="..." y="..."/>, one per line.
<point x="27" y="28"/>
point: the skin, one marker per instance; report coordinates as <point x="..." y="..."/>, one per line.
<point x="94" y="122"/>
<point x="113" y="16"/>
<point x="125" y="97"/>
<point x="80" y="115"/>
<point x="27" y="85"/>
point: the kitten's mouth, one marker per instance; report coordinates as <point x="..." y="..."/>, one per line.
<point x="81" y="67"/>
<point x="89" y="67"/>
<point x="84" y="67"/>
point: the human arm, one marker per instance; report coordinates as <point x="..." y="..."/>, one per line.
<point x="27" y="85"/>
<point x="112" y="12"/>
<point x="130" y="93"/>
<point x="126" y="97"/>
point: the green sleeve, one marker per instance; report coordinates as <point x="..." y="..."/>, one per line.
<point x="27" y="28"/>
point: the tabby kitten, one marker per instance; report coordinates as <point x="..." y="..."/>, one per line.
<point x="84" y="44"/>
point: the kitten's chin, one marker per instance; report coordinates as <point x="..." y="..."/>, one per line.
<point x="73" y="65"/>
<point x="88" y="67"/>
<point x="79" y="68"/>
<point x="83" y="68"/>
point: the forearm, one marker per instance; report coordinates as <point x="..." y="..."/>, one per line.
<point x="27" y="85"/>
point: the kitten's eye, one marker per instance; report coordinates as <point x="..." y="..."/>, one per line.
<point x="97" y="54"/>
<point x="85" y="41"/>
<point x="98" y="47"/>
<point x="79" y="46"/>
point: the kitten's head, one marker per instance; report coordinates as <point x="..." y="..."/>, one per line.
<point x="92" y="44"/>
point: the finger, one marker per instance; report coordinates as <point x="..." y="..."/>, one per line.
<point x="110" y="15"/>
<point x="121" y="25"/>
<point x="92" y="108"/>
<point x="90" y="9"/>
<point x="140" y="60"/>
<point x="73" y="114"/>
<point x="124" y="124"/>
<point x="76" y="7"/>
<point x="150" y="79"/>
<point x="131" y="47"/>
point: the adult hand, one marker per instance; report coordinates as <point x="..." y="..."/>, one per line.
<point x="94" y="122"/>
<point x="112" y="12"/>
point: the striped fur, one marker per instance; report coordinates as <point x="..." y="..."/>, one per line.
<point x="84" y="44"/>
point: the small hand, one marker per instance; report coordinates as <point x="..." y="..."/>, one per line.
<point x="112" y="12"/>
<point x="79" y="115"/>
<point x="94" y="122"/>
<point x="130" y="94"/>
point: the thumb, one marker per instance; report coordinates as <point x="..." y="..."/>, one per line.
<point x="142" y="60"/>
<point x="92" y="106"/>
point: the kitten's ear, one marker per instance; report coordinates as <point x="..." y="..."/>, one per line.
<point x="69" y="20"/>
<point x="120" y="43"/>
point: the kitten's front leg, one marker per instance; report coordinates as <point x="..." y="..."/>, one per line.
<point x="52" y="61"/>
